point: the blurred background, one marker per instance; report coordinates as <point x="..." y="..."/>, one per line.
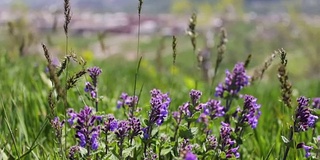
<point x="108" y="29"/>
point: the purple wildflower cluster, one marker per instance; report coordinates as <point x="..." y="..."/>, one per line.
<point x="87" y="131"/>
<point x="126" y="100"/>
<point x="251" y="111"/>
<point x="135" y="126"/>
<point x="123" y="130"/>
<point x="227" y="143"/>
<point x="111" y="124"/>
<point x="124" y="127"/>
<point x="234" y="81"/>
<point x="213" y="109"/>
<point x="316" y="103"/>
<point x="94" y="72"/>
<point x="212" y="142"/>
<point x="159" y="106"/>
<point x="303" y="117"/>
<point x="91" y="88"/>
<point x="195" y="96"/>
<point x="185" y="109"/>
<point x="176" y="116"/>
<point x="56" y="123"/>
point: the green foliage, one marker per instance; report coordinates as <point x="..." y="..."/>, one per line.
<point x="25" y="86"/>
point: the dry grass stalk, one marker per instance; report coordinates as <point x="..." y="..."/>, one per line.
<point x="64" y="63"/>
<point x="286" y="87"/>
<point x="140" y="7"/>
<point x="67" y="15"/>
<point x="71" y="82"/>
<point x="52" y="104"/>
<point x="248" y="60"/>
<point x="259" y="72"/>
<point x="192" y="31"/>
<point x="53" y="77"/>
<point x="221" y="49"/>
<point x="174" y="49"/>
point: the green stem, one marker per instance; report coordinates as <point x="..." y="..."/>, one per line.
<point x="288" y="147"/>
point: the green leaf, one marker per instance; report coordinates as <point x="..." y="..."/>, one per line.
<point x="115" y="155"/>
<point x="269" y="153"/>
<point x="222" y="155"/>
<point x="154" y="131"/>
<point x="194" y="130"/>
<point x="126" y="152"/>
<point x="210" y="153"/>
<point x="185" y="132"/>
<point x="194" y="117"/>
<point x="165" y="151"/>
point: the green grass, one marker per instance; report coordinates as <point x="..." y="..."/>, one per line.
<point x="24" y="105"/>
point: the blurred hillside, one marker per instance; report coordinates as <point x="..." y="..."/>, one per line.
<point x="165" y="6"/>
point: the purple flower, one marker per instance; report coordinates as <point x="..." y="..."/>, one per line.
<point x="123" y="129"/>
<point x="72" y="116"/>
<point x="213" y="108"/>
<point x="203" y="118"/>
<point x="90" y="89"/>
<point x="82" y="139"/>
<point x="233" y="152"/>
<point x="94" y="72"/>
<point x="145" y="132"/>
<point x="226" y="141"/>
<point x="176" y="115"/>
<point x="190" y="156"/>
<point x="135" y="126"/>
<point x="303" y="118"/>
<point x="56" y="123"/>
<point x="150" y="155"/>
<point x="234" y="81"/>
<point x="87" y="132"/>
<point x="251" y="111"/>
<point x="219" y="90"/>
<point x="212" y="142"/>
<point x="195" y="96"/>
<point x="316" y="102"/>
<point x="111" y="124"/>
<point x="73" y="150"/>
<point x="94" y="140"/>
<point x="184" y="109"/>
<point x="185" y="146"/>
<point x="159" y="106"/>
<point x="126" y="100"/>
<point x="306" y="148"/>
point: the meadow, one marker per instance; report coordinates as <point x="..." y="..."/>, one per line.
<point x="158" y="105"/>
